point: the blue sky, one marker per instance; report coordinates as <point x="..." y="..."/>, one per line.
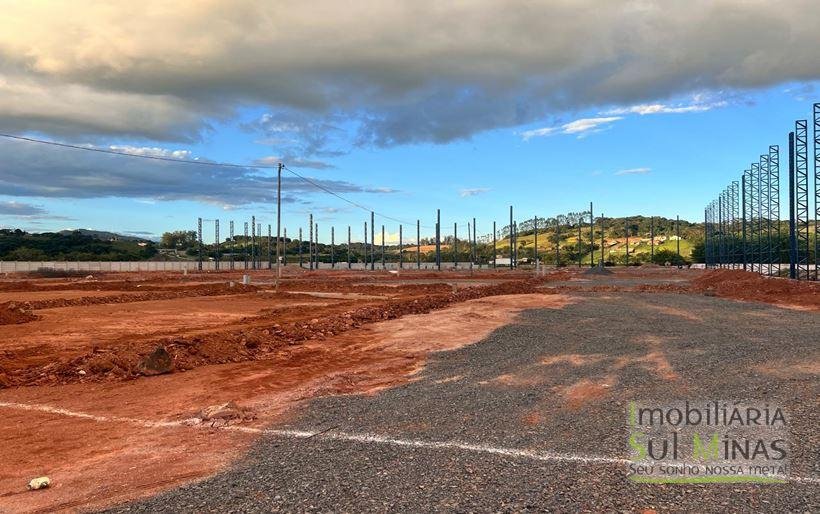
<point x="654" y="115"/>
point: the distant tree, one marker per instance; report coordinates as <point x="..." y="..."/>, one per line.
<point x="179" y="239"/>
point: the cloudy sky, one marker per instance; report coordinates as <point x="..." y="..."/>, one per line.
<point x="644" y="107"/>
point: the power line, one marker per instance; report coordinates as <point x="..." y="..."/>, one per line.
<point x="204" y="163"/>
<point x="126" y="154"/>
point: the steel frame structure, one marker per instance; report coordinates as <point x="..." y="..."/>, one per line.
<point x="801" y="214"/>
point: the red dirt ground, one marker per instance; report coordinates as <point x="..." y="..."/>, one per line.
<point x="78" y="343"/>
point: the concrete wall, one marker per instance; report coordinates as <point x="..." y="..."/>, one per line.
<point x="125" y="266"/>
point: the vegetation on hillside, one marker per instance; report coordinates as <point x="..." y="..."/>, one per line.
<point x="17" y="245"/>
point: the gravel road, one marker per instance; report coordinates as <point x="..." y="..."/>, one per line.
<point x="555" y="382"/>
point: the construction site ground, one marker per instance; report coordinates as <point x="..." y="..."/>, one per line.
<point x="380" y="391"/>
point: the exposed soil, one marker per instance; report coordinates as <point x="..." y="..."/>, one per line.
<point x="81" y="345"/>
<point x="96" y="463"/>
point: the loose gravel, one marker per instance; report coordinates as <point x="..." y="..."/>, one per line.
<point x="554" y="381"/>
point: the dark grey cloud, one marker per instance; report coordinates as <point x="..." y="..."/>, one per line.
<point x="28" y="212"/>
<point x="14" y="208"/>
<point x="34" y="170"/>
<point x="394" y="72"/>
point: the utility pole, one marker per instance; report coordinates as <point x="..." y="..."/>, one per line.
<point x="348" y="247"/>
<point x="512" y="240"/>
<point x="372" y="240"/>
<point x="401" y="250"/>
<point x="383" y="261"/>
<point x="332" y="247"/>
<point x="475" y="245"/>
<point x="418" y="244"/>
<point x="300" y="247"/>
<point x="602" y="240"/>
<point x="455" y="245"/>
<point x="438" y="239"/>
<point x="278" y="223"/>
<point x="677" y="230"/>
<point x="310" y="243"/>
<point x="316" y="245"/>
<point x="468" y="242"/>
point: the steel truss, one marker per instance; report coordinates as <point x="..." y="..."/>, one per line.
<point x="801" y="214"/>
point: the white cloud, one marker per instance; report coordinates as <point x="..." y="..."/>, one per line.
<point x="660" y="108"/>
<point x="634" y="171"/>
<point x="153" y="151"/>
<point x="580" y="127"/>
<point x="464" y="193"/>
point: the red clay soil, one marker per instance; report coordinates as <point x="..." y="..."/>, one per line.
<point x="12" y="313"/>
<point x="256" y="338"/>
<point x="121" y="455"/>
<point x="745" y="285"/>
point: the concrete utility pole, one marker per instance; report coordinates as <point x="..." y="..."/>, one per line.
<point x="372" y="240"/>
<point x="418" y="244"/>
<point x="383" y="261"/>
<point x="316" y="246"/>
<point x="438" y="239"/>
<point x="199" y="243"/>
<point x="278" y="223"/>
<point x="512" y="240"/>
<point x="310" y="243"/>
<point x="300" y="246"/>
<point x="455" y="245"/>
<point x="677" y="231"/>
<point x="475" y="247"/>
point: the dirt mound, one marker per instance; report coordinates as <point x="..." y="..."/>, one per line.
<point x="13" y="313"/>
<point x="267" y="336"/>
<point x="597" y="270"/>
<point x="745" y="285"/>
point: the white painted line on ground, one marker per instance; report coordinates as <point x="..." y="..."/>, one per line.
<point x="345" y="436"/>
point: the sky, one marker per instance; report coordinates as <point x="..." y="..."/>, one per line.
<point x="644" y="107"/>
